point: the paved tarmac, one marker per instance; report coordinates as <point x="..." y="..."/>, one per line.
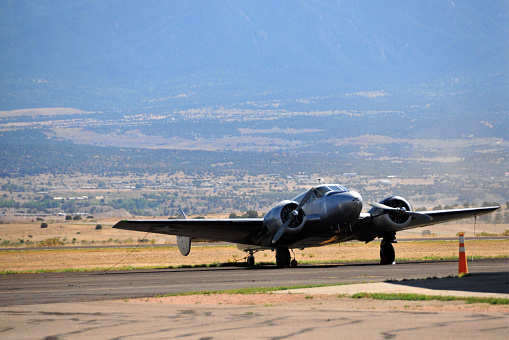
<point x="93" y="286"/>
<point x="30" y="308"/>
<point x="320" y="319"/>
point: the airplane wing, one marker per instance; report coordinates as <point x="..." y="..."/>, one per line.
<point x="442" y="216"/>
<point x="323" y="215"/>
<point x="369" y="226"/>
<point x="241" y="230"/>
<point x="245" y="230"/>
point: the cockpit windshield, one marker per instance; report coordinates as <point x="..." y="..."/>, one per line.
<point x="323" y="190"/>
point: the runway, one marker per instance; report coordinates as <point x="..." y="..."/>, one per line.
<point x="29" y="289"/>
<point x="101" y="305"/>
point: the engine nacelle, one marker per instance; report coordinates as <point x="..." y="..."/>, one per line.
<point x="278" y="215"/>
<point x="392" y="220"/>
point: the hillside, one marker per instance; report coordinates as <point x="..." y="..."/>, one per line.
<point x="113" y="54"/>
<point x="234" y="105"/>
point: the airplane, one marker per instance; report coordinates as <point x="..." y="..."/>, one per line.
<point x="324" y="214"/>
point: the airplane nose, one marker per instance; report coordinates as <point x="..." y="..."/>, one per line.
<point x="346" y="207"/>
<point x="343" y="208"/>
<point x="355" y="204"/>
<point x="356" y="198"/>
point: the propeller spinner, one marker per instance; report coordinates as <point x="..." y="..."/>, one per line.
<point x="292" y="216"/>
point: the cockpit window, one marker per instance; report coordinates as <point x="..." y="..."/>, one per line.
<point x="324" y="189"/>
<point x="338" y="188"/>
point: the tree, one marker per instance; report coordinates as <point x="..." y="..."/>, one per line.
<point x="44" y="225"/>
<point x="251" y="214"/>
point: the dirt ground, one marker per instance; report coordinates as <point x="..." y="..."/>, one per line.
<point x="271" y="299"/>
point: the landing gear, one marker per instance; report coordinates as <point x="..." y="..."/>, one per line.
<point x="250" y="260"/>
<point x="387" y="254"/>
<point x="282" y="257"/>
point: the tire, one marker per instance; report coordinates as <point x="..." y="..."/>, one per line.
<point x="250" y="261"/>
<point x="282" y="257"/>
<point x="387" y="253"/>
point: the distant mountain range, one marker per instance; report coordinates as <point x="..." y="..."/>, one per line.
<point x="161" y="55"/>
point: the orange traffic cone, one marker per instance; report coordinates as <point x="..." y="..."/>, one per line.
<point x="463" y="268"/>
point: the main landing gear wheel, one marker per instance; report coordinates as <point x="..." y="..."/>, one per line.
<point x="282" y="257"/>
<point x="387" y="253"/>
<point x="250" y="260"/>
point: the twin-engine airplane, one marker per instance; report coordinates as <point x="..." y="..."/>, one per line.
<point x="323" y="215"/>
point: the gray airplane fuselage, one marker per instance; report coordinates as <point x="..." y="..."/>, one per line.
<point x="335" y="208"/>
<point x="330" y="213"/>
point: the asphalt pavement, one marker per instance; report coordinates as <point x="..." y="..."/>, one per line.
<point x="96" y="304"/>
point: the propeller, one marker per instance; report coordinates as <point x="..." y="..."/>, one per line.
<point x="292" y="216"/>
<point x="402" y="210"/>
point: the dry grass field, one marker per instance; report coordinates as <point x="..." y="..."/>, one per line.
<point x="37" y="258"/>
<point x="62" y="259"/>
<point x="84" y="233"/>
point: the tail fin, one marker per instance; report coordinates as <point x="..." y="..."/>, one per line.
<point x="181" y="214"/>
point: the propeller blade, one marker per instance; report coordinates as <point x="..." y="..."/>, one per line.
<point x="383" y="206"/>
<point x="305" y="199"/>
<point x="414" y="214"/>
<point x="281" y="230"/>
